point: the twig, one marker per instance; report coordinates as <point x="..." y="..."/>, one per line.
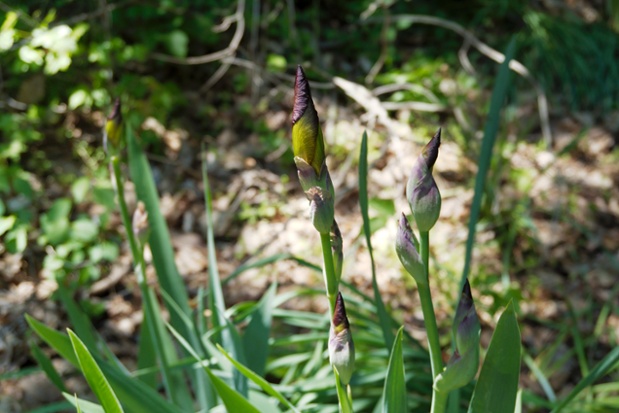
<point x="236" y="61"/>
<point x="230" y="50"/>
<point x="372" y="105"/>
<point x="418" y="106"/>
<point x="489" y="52"/>
<point x="394" y="87"/>
<point x="463" y="56"/>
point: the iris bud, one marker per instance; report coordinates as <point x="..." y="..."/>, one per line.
<point x="113" y="127"/>
<point x="406" y="246"/>
<point x="341" y="346"/>
<point x="307" y="141"/>
<point x="463" y="365"/>
<point x="337" y="249"/>
<point x="422" y="193"/>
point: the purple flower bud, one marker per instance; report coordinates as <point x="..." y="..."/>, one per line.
<point x="406" y="246"/>
<point x="341" y="346"/>
<point x="113" y="126"/>
<point x="422" y="193"/>
<point x="466" y="322"/>
<point x="307" y="141"/>
<point x="463" y="365"/>
<point x="336" y="248"/>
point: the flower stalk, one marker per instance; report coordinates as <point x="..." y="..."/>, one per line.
<point x="309" y="156"/>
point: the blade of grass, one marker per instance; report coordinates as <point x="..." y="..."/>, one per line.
<point x="256" y="336"/>
<point x="159" y="239"/>
<point x="58" y="341"/>
<point x="385" y="321"/>
<point x="487" y="144"/>
<point x="256" y="378"/>
<point x="540" y="376"/>
<point x="94" y="376"/>
<point x="394" y="392"/>
<point x="597" y="372"/>
<point x="147" y="356"/>
<point x="261" y="262"/>
<point x="163" y="257"/>
<point x="161" y="345"/>
<point x="215" y="293"/>
<point x="579" y="347"/>
<point x="77" y="316"/>
<point x="82" y="405"/>
<point x="229" y="335"/>
<point x="135" y="395"/>
<point x="233" y="400"/>
<point x="47" y="366"/>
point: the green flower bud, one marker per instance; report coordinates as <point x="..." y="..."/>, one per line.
<point x="406" y="246"/>
<point x="422" y="193"/>
<point x="307" y="141"/>
<point x="336" y="248"/>
<point x="463" y="365"/>
<point x="341" y="346"/>
<point x="321" y="209"/>
<point x="113" y="127"/>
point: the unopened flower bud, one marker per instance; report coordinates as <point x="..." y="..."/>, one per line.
<point x="336" y="248"/>
<point x="113" y="126"/>
<point x="406" y="246"/>
<point x="341" y="346"/>
<point x="466" y="322"/>
<point x="422" y="193"/>
<point x="139" y="224"/>
<point x="463" y="365"/>
<point x="321" y="209"/>
<point x="307" y="141"/>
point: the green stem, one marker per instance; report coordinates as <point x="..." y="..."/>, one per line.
<point x="439" y="401"/>
<point x="331" y="285"/>
<point x="138" y="259"/>
<point x="331" y="282"/>
<point x="427" y="308"/>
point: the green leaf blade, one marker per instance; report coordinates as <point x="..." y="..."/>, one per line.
<point x="94" y="376"/>
<point x="497" y="387"/>
<point x="394" y="392"/>
<point x="383" y="316"/>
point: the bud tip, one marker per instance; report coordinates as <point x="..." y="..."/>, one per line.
<point x="302" y="95"/>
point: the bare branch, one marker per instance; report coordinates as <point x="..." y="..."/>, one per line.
<point x="221" y="54"/>
<point x="483" y="48"/>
